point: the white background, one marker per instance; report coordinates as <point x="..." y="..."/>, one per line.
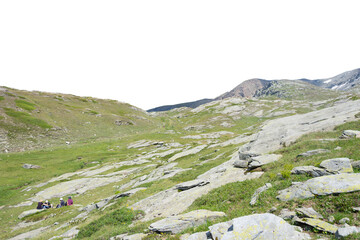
<point x="150" y="53"/>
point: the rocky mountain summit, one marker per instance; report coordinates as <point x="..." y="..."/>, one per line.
<point x="280" y="166"/>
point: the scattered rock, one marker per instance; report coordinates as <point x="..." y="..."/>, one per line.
<point x="29" y="212"/>
<point x="256" y="195"/>
<point x="331" y="219"/>
<point x="355" y="164"/>
<point x="263" y="226"/>
<point x="190" y="184"/>
<point x="344" y="220"/>
<point x="23" y="204"/>
<point x="208" y="135"/>
<point x="187" y="152"/>
<point x="138" y="236"/>
<point x="310" y="170"/>
<point x="143" y="143"/>
<point x="72" y="233"/>
<point x="346" y="231"/>
<point x="338" y="148"/>
<point x="350" y="134"/>
<point x="356" y="209"/>
<point x="263" y="159"/>
<point x="308" y="212"/>
<point x="198" y="236"/>
<point x="241" y="163"/>
<point x="286" y="214"/>
<point x="318" y="224"/>
<point x="219" y="229"/>
<point x="313" y="152"/>
<point x="30" y="234"/>
<point x="325" y="185"/>
<point x="176" y="224"/>
<point x="123" y="122"/>
<point x="30" y="166"/>
<point x="272" y="210"/>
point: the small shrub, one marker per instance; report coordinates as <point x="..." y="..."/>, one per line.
<point x="286" y="172"/>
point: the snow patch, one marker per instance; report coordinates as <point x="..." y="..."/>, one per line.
<point x="327" y="81"/>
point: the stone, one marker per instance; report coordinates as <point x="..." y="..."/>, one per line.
<point x="281" y="132"/>
<point x="272" y="210"/>
<point x="218" y="230"/>
<point x="337" y="165"/>
<point x="241" y="163"/>
<point x="313" y="152"/>
<point x="308" y="212"/>
<point x="350" y="134"/>
<point x="198" y="236"/>
<point x="325" y="185"/>
<point x="263" y="159"/>
<point x="263" y="226"/>
<point x="23" y="204"/>
<point x="208" y="135"/>
<point x="318" y="224"/>
<point x="176" y="224"/>
<point x="191" y="184"/>
<point x="130" y="192"/>
<point x="356" y="209"/>
<point x="138" y="236"/>
<point x="338" y="148"/>
<point x="355" y="164"/>
<point x="310" y="170"/>
<point x="72" y="233"/>
<point x="286" y="214"/>
<point x="29" y="212"/>
<point x="346" y="231"/>
<point x="30" y="166"/>
<point x="331" y="219"/>
<point x="187" y="152"/>
<point x="142" y="143"/>
<point x="257" y="193"/>
<point x="344" y="220"/>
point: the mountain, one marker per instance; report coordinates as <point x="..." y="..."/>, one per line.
<point x="193" y="104"/>
<point x="343" y="82"/>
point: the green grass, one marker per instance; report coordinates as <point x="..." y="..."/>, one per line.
<point x="26" y="118"/>
<point x="119" y="219"/>
<point x="25" y="105"/>
<point x="2" y="98"/>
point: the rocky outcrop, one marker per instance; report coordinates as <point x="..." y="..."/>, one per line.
<point x="191" y="184"/>
<point x="325" y="185"/>
<point x="347" y="134"/>
<point x="310" y="170"/>
<point x="257" y="193"/>
<point x="254" y="161"/>
<point x="317" y="224"/>
<point x="308" y="212"/>
<point x="29" y="212"/>
<point x="208" y="135"/>
<point x="337" y="165"/>
<point x="30" y="234"/>
<point x="284" y="131"/>
<point x="187" y="152"/>
<point x="313" y="152"/>
<point x="247" y="89"/>
<point x="30" y="166"/>
<point x="176" y="224"/>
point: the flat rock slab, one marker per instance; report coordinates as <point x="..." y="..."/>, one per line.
<point x="191" y="184"/>
<point x="310" y="170"/>
<point x="30" y="166"/>
<point x="308" y="212"/>
<point x="313" y="152"/>
<point x="325" y="185"/>
<point x="176" y="224"/>
<point x="337" y="165"/>
<point x="218" y="230"/>
<point x="187" y="152"/>
<point x="318" y="224"/>
<point x="263" y="226"/>
<point x="29" y="212"/>
<point x="30" y="234"/>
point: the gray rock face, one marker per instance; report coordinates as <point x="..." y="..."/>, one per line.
<point x="308" y="212"/>
<point x="311" y="170"/>
<point x="325" y="185"/>
<point x="241" y="163"/>
<point x="30" y="166"/>
<point x="190" y="184"/>
<point x="30" y="234"/>
<point x="337" y="165"/>
<point x="23" y="204"/>
<point x="318" y="224"/>
<point x="350" y="134"/>
<point x="281" y="132"/>
<point x="218" y="230"/>
<point x="29" y="212"/>
<point x="355" y="164"/>
<point x="313" y="152"/>
<point x="179" y="223"/>
<point x="208" y="135"/>
<point x="263" y="226"/>
<point x="143" y="143"/>
<point x="257" y="193"/>
<point x="198" y="236"/>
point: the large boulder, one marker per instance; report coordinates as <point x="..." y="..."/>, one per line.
<point x="308" y="212"/>
<point x="263" y="226"/>
<point x="176" y="224"/>
<point x="219" y="229"/>
<point x="263" y="159"/>
<point x="317" y="224"/>
<point x="350" y="134"/>
<point x="325" y="185"/>
<point x="337" y="165"/>
<point x="310" y="170"/>
<point x="30" y="166"/>
<point x="346" y="231"/>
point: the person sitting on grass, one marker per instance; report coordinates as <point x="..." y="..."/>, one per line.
<point x="46" y="205"/>
<point x="61" y="204"/>
<point x="40" y="205"/>
<point x="70" y="201"/>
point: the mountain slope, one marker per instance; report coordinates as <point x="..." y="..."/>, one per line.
<point x="193" y="104"/>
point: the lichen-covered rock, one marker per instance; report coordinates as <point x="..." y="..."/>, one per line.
<point x="308" y="212"/>
<point x="318" y="224"/>
<point x="313" y="152"/>
<point x="346" y="231"/>
<point x="286" y="214"/>
<point x="218" y="230"/>
<point x="337" y="165"/>
<point x="176" y="224"/>
<point x="325" y="185"/>
<point x="263" y="226"/>
<point x="187" y="152"/>
<point x="263" y="159"/>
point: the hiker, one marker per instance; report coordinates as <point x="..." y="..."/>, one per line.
<point x="70" y="201"/>
<point x="61" y="204"/>
<point x="40" y="205"/>
<point x="46" y="205"/>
